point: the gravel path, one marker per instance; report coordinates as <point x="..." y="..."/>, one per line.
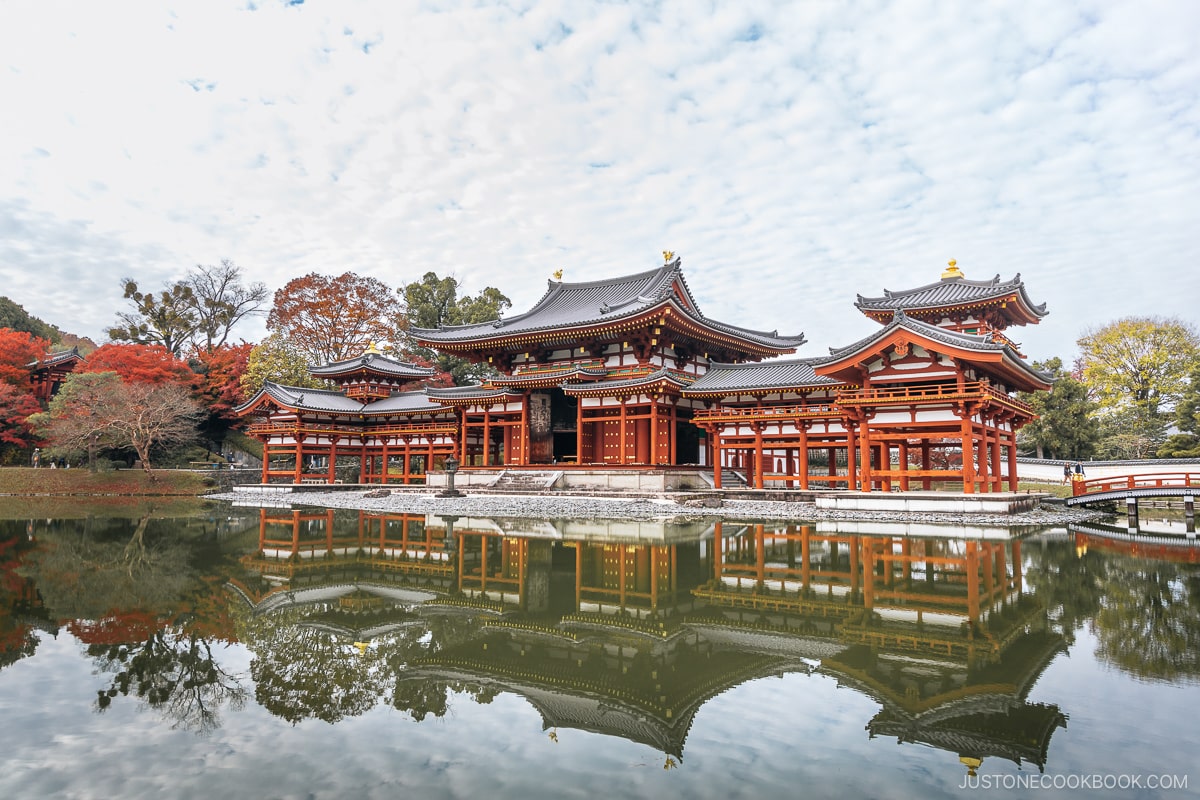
<point x="590" y="507"/>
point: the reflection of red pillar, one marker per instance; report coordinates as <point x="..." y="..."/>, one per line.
<point x="805" y="550"/>
<point x="853" y="545"/>
<point x="1001" y="567"/>
<point x="988" y="564"/>
<point x="868" y="571"/>
<point x="972" y="569"/>
<point x="718" y="546"/>
<point x="1016" y="564"/>
<point x="760" y="556"/>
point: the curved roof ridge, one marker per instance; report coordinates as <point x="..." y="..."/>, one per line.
<point x="950" y="292"/>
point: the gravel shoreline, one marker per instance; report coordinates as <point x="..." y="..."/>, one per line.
<point x="591" y="507"/>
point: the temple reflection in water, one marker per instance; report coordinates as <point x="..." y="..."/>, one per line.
<point x="627" y="628"/>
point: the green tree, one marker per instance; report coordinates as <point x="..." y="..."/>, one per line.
<point x="276" y="360"/>
<point x="13" y="315"/>
<point x="1139" y="362"/>
<point x="1131" y="433"/>
<point x="1149" y="622"/>
<point x="168" y="318"/>
<point x="76" y="422"/>
<point x="432" y="302"/>
<point x="1066" y="426"/>
<point x="1187" y="418"/>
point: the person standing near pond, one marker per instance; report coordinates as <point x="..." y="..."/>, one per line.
<point x="1066" y="473"/>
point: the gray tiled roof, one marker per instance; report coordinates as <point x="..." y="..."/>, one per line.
<point x="763" y="375"/>
<point x="565" y="372"/>
<point x="56" y="358"/>
<point x="326" y="400"/>
<point x="306" y="399"/>
<point x="949" y="292"/>
<point x="374" y="362"/>
<point x="641" y="380"/>
<point x="404" y="402"/>
<point x="597" y="302"/>
<point x="473" y="391"/>
<point x="980" y="343"/>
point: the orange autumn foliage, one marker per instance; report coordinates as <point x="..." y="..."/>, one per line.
<point x="139" y="363"/>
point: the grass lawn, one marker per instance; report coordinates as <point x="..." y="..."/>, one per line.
<point x="26" y="481"/>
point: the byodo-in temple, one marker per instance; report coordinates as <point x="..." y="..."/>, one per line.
<point x="626" y="375"/>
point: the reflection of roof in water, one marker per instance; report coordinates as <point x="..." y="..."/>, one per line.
<point x="641" y="704"/>
<point x="1019" y="733"/>
<point x="980" y="712"/>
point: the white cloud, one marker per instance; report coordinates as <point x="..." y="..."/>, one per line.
<point x="794" y="154"/>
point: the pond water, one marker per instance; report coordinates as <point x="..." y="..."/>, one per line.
<point x="213" y="651"/>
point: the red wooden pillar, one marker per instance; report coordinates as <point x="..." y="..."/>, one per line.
<point x="864" y="450"/>
<point x="654" y="454"/>
<point x="623" y="457"/>
<point x="1012" y="461"/>
<point x="717" y="456"/>
<point x="332" y="458"/>
<point x="968" y="453"/>
<point x="803" y="465"/>
<point x="383" y="476"/>
<point x="579" y="431"/>
<point x="759" y="467"/>
<point x="902" y="447"/>
<point x="985" y="481"/>
<point x="487" y="436"/>
<point x="299" y="456"/>
<point x="997" y="478"/>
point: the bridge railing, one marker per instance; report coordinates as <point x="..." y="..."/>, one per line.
<point x="1119" y="483"/>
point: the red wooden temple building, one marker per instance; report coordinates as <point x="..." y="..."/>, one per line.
<point x="47" y="374"/>
<point x="627" y="373"/>
<point x="595" y="373"/>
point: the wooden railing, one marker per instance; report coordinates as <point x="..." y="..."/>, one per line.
<point x="1121" y="483"/>
<point x="924" y="392"/>
<point x="766" y="413"/>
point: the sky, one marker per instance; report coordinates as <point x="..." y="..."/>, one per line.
<point x="793" y="154"/>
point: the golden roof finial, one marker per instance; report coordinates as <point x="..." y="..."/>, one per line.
<point x="953" y="272"/>
<point x="558" y="274"/>
<point x="371" y="350"/>
<point x="668" y="256"/>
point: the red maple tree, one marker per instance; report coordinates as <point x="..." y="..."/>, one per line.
<point x="139" y="363"/>
<point x="15" y="408"/>
<point x="18" y="350"/>
<point x="330" y="318"/>
<point x="218" y="378"/>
